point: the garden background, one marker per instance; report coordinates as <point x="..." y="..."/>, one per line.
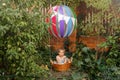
<point x="26" y="45"/>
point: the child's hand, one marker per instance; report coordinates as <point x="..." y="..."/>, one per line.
<point x="51" y="61"/>
<point x="71" y="59"/>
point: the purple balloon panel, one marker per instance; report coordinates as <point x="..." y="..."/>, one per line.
<point x="62" y="28"/>
<point x="60" y="10"/>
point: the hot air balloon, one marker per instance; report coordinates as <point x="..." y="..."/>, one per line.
<point x="62" y="21"/>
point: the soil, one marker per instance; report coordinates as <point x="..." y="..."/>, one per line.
<point x="55" y="75"/>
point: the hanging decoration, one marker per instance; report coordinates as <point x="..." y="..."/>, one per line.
<point x="62" y="21"/>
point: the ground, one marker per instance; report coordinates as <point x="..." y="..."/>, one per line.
<point x="60" y="75"/>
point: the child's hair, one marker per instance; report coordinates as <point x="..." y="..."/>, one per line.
<point x="61" y="49"/>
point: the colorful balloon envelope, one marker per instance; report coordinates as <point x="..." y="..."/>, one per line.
<point x="62" y="21"/>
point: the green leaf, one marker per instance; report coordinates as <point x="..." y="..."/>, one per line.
<point x="87" y="60"/>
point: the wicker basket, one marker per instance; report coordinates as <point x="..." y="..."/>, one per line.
<point x="61" y="67"/>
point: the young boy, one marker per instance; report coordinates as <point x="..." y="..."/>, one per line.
<point x="61" y="58"/>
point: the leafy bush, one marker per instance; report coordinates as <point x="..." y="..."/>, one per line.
<point x="22" y="32"/>
<point x="112" y="57"/>
<point x="92" y="68"/>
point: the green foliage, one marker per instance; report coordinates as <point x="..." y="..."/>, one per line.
<point x="22" y="33"/>
<point x="101" y="4"/>
<point x="92" y="68"/>
<point x="79" y="76"/>
<point x="113" y="56"/>
<point x="24" y="36"/>
<point x="104" y="19"/>
<point x="110" y="72"/>
<point x="43" y="56"/>
<point x="87" y="63"/>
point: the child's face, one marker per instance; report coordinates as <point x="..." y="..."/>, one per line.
<point x="61" y="53"/>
